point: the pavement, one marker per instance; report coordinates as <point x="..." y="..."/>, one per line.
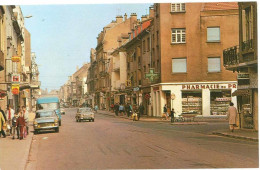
<point x="245" y="134"/>
<point x="15" y="152"/>
<point x="9" y="152"/>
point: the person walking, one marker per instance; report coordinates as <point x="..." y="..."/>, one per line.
<point x="232" y="116"/>
<point x="2" y="115"/>
<point x="14" y="120"/>
<point x="26" y="117"/>
<point x="172" y="115"/>
<point x="140" y="111"/>
<point x="116" y="109"/>
<point x="121" y="109"/>
<point x="165" y="112"/>
<point x="9" y="117"/>
<point x="21" y="123"/>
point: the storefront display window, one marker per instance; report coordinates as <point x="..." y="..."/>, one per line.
<point x="219" y="101"/>
<point x="192" y="101"/>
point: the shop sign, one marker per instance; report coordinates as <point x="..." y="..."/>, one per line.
<point x="16" y="78"/>
<point x="223" y="99"/>
<point x="136" y="89"/>
<point x="16" y="58"/>
<point x="15" y="89"/>
<point x="208" y="86"/>
<point x="243" y="76"/>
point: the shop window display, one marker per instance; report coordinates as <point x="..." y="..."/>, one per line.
<point x="192" y="102"/>
<point x="219" y="102"/>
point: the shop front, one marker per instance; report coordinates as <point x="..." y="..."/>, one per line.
<point x="204" y="98"/>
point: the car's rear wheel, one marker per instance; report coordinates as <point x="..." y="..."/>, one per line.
<point x="57" y="130"/>
<point x="92" y="120"/>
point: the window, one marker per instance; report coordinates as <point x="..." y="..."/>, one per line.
<point x="144" y="46"/>
<point x="213" y="34"/>
<point x="178" y="7"/>
<point x="179" y="35"/>
<point x="214" y="64"/>
<point x="179" y="65"/>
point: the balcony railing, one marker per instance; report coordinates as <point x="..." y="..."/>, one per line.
<point x="247" y="45"/>
<point x="231" y="56"/>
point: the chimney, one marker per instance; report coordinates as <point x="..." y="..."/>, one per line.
<point x="133" y="20"/>
<point x="125" y="16"/>
<point x="151" y="11"/>
<point x="143" y="18"/>
<point x="119" y="19"/>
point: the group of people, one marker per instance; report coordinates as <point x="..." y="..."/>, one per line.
<point x="167" y="115"/>
<point x="11" y="122"/>
<point x="128" y="109"/>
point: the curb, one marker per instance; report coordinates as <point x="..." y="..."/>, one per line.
<point x="235" y="136"/>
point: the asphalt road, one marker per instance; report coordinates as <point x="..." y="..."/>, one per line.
<point x="116" y="143"/>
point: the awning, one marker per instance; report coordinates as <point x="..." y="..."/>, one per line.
<point x="241" y="92"/>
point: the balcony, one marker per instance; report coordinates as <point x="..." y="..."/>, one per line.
<point x="247" y="46"/>
<point x="234" y="57"/>
<point x="231" y="56"/>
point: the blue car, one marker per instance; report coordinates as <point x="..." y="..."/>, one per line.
<point x="52" y="103"/>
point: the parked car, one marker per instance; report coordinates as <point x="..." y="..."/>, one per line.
<point x="62" y="110"/>
<point x="46" y="120"/>
<point x="85" y="114"/>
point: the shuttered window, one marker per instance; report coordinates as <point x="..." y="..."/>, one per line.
<point x="179" y="65"/>
<point x="214" y="64"/>
<point x="213" y="34"/>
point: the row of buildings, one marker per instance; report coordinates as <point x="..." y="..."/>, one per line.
<point x="193" y="57"/>
<point x="19" y="75"/>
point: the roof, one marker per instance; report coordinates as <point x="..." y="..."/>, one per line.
<point x="45" y="110"/>
<point x="220" y="6"/>
<point x="47" y="100"/>
<point x="141" y="28"/>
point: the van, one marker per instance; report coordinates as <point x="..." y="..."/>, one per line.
<point x="52" y="103"/>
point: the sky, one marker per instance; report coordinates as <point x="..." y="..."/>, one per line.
<point x="62" y="35"/>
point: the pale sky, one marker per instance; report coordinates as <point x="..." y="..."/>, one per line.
<point x="62" y="35"/>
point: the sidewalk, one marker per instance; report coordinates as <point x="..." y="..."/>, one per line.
<point x="14" y="153"/>
<point x="239" y="133"/>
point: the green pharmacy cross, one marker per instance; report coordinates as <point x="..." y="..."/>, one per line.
<point x="152" y="75"/>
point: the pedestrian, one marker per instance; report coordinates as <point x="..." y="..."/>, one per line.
<point x="14" y="120"/>
<point x="9" y="117"/>
<point x="140" y="110"/>
<point x="116" y="109"/>
<point x="2" y="122"/>
<point x="26" y="117"/>
<point x="121" y="109"/>
<point x="128" y="109"/>
<point x="232" y="116"/>
<point x="96" y="108"/>
<point x="165" y="112"/>
<point x="21" y="123"/>
<point x="172" y="115"/>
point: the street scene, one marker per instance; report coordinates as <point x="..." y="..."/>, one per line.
<point x="136" y="86"/>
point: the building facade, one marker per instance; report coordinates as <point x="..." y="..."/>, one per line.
<point x="243" y="59"/>
<point x="188" y="42"/>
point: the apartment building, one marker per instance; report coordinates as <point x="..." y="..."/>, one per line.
<point x="188" y="40"/>
<point x="242" y="58"/>
<point x="107" y="42"/>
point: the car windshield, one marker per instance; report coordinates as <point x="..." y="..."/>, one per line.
<point x="45" y="114"/>
<point x="48" y="106"/>
<point x="81" y="110"/>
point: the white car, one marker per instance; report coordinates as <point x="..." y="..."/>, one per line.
<point x="85" y="113"/>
